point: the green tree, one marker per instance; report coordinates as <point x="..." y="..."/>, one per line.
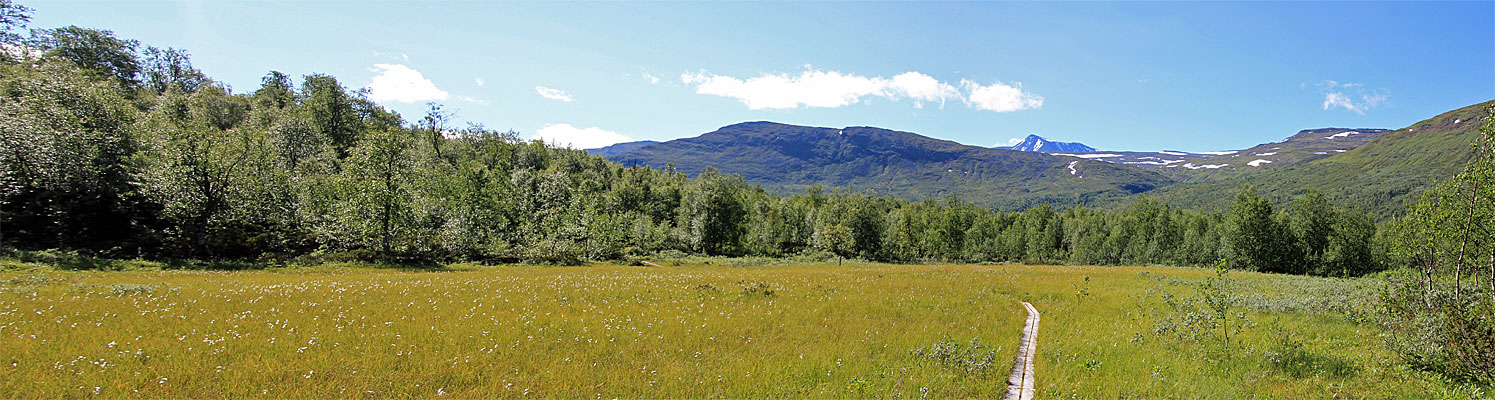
<point x="189" y="167"/>
<point x="435" y="124"/>
<point x="834" y="238"/>
<point x="95" y="50"/>
<point x="866" y="221"/>
<point x="166" y="67"/>
<point x="13" y="18"/>
<point x="377" y="193"/>
<point x="1256" y="239"/>
<point x="329" y="109"/>
<point x="1312" y="224"/>
<point x="65" y="142"/>
<point x="711" y="213"/>
<point x="299" y="145"/>
<point x="1482" y="170"/>
<point x="1350" y="250"/>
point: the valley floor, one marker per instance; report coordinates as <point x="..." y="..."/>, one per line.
<point x="603" y="331"/>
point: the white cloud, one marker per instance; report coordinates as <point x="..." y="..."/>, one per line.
<point x="923" y="88"/>
<point x="399" y="83"/>
<point x="579" y="138"/>
<point x="479" y="80"/>
<point x="1336" y="99"/>
<point x="822" y="89"/>
<point x="1352" y="97"/>
<point x="999" y="97"/>
<point x="780" y="91"/>
<point x="650" y="77"/>
<point x="471" y="99"/>
<point x="1012" y="142"/>
<point x="553" y="94"/>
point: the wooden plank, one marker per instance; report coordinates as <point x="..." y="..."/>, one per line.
<point x="1020" y="384"/>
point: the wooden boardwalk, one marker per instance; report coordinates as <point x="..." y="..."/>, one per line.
<point x="1020" y="384"/>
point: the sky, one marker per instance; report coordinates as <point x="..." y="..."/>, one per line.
<point x="1187" y="76"/>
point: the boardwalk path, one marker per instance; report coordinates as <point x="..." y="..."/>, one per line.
<point x="1020" y="384"/>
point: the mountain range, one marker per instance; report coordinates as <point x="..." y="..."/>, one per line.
<point x="1375" y="169"/>
<point x="788" y="158"/>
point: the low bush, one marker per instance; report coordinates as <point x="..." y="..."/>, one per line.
<point x="1291" y="357"/>
<point x="973" y="358"/>
<point x="1433" y="329"/>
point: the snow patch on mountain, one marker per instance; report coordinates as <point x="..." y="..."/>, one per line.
<point x="1158" y="162"/>
<point x="1341" y="134"/>
<point x="1258" y="162"/>
<point x="1088" y="156"/>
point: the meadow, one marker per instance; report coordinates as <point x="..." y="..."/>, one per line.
<point x="605" y="331"/>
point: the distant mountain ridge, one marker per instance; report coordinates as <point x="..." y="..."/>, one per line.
<point x="1305" y="146"/>
<point x="789" y="158"/>
<point x="620" y="148"/>
<point x="1039" y="144"/>
<point x="1379" y="176"/>
<point x="1377" y="170"/>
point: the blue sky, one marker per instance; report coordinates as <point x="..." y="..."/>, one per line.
<point x="1116" y="76"/>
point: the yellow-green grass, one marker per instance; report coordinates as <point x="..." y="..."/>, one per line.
<point x="606" y="331"/>
<point x="1102" y="344"/>
<point x="571" y="332"/>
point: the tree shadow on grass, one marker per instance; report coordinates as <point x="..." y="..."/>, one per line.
<point x="1291" y="357"/>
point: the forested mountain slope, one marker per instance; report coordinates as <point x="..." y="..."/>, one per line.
<point x="788" y="158"/>
<point x="1378" y="177"/>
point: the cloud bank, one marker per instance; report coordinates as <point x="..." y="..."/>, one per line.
<point x="999" y="97"/>
<point x="399" y="83"/>
<point x="831" y="89"/>
<point x="579" y="138"/>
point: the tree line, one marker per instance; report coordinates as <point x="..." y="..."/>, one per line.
<point x="128" y="152"/>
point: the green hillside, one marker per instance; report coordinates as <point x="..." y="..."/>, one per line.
<point x="1379" y="177"/>
<point x="1305" y="146"/>
<point x="788" y="159"/>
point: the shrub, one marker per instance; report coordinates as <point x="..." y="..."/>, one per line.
<point x="974" y="358"/>
<point x="1214" y="308"/>
<point x="1431" y="329"/>
<point x="756" y="289"/>
<point x="1291" y="357"/>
